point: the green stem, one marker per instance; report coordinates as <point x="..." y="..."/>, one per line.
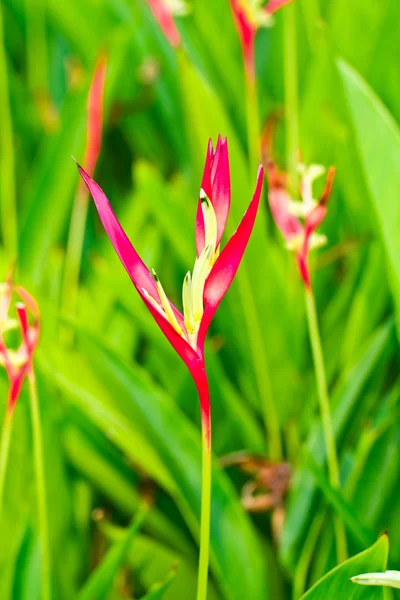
<point x="4" y="452"/>
<point x="7" y="159"/>
<point x="260" y="364"/>
<point x="40" y="485"/>
<point x="323" y="399"/>
<point x="204" y="557"/>
<point x="253" y="123"/>
<point x="291" y="95"/>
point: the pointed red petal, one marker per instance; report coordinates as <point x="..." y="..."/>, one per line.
<point x="28" y="300"/>
<point x="288" y="224"/>
<point x="181" y="346"/>
<point x="137" y="270"/>
<point x="95" y="116"/>
<point x="221" y="186"/>
<point x="313" y="220"/>
<point x="162" y="14"/>
<point x="23" y="320"/>
<point x="33" y="330"/>
<point x="228" y="262"/>
<point x="247" y="34"/>
<point x="274" y="5"/>
<point x="206" y="186"/>
<point x="15" y="388"/>
<point x="216" y="184"/>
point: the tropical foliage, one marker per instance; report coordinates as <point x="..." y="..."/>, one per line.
<point x="101" y="476"/>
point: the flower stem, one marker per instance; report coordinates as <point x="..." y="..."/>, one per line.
<point x="7" y="159"/>
<point x="40" y="485"/>
<point x="4" y="452"/>
<point x="205" y="511"/>
<point x="323" y="398"/>
<point x="291" y="95"/>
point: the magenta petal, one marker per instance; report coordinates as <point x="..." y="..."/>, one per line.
<point x="247" y="32"/>
<point x="317" y="215"/>
<point x="216" y="184"/>
<point x="228" y="262"/>
<point x="206" y="186"/>
<point x="274" y="5"/>
<point x="163" y="15"/>
<point x="181" y="346"/>
<point x="221" y="186"/>
<point x="313" y="220"/>
<point x="137" y="270"/>
<point x="15" y="388"/>
<point x="23" y="320"/>
<point x="279" y="199"/>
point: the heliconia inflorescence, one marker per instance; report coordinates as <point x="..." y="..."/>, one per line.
<point x="17" y="362"/>
<point x="249" y="16"/>
<point x="213" y="271"/>
<point x="298" y="220"/>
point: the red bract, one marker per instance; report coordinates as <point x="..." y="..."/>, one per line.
<point x="299" y="236"/>
<point x="18" y="362"/>
<point x="213" y="271"/>
<point x="94" y="119"/>
<point x="249" y="16"/>
<point x="163" y="13"/>
<point x="95" y="115"/>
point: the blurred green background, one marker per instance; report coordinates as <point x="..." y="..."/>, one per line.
<point x="120" y="412"/>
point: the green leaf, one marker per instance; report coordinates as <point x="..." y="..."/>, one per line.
<point x="101" y="580"/>
<point x="378" y="141"/>
<point x="51" y="189"/>
<point x="336" y="584"/>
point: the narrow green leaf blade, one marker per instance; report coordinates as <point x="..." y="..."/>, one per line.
<point x="101" y="580"/>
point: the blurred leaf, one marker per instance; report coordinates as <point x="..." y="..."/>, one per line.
<point x="99" y="463"/>
<point x="50" y="189"/>
<point x="335" y="497"/>
<point x="158" y="590"/>
<point x="336" y="584"/>
<point x="378" y="140"/>
<point x="100" y="582"/>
